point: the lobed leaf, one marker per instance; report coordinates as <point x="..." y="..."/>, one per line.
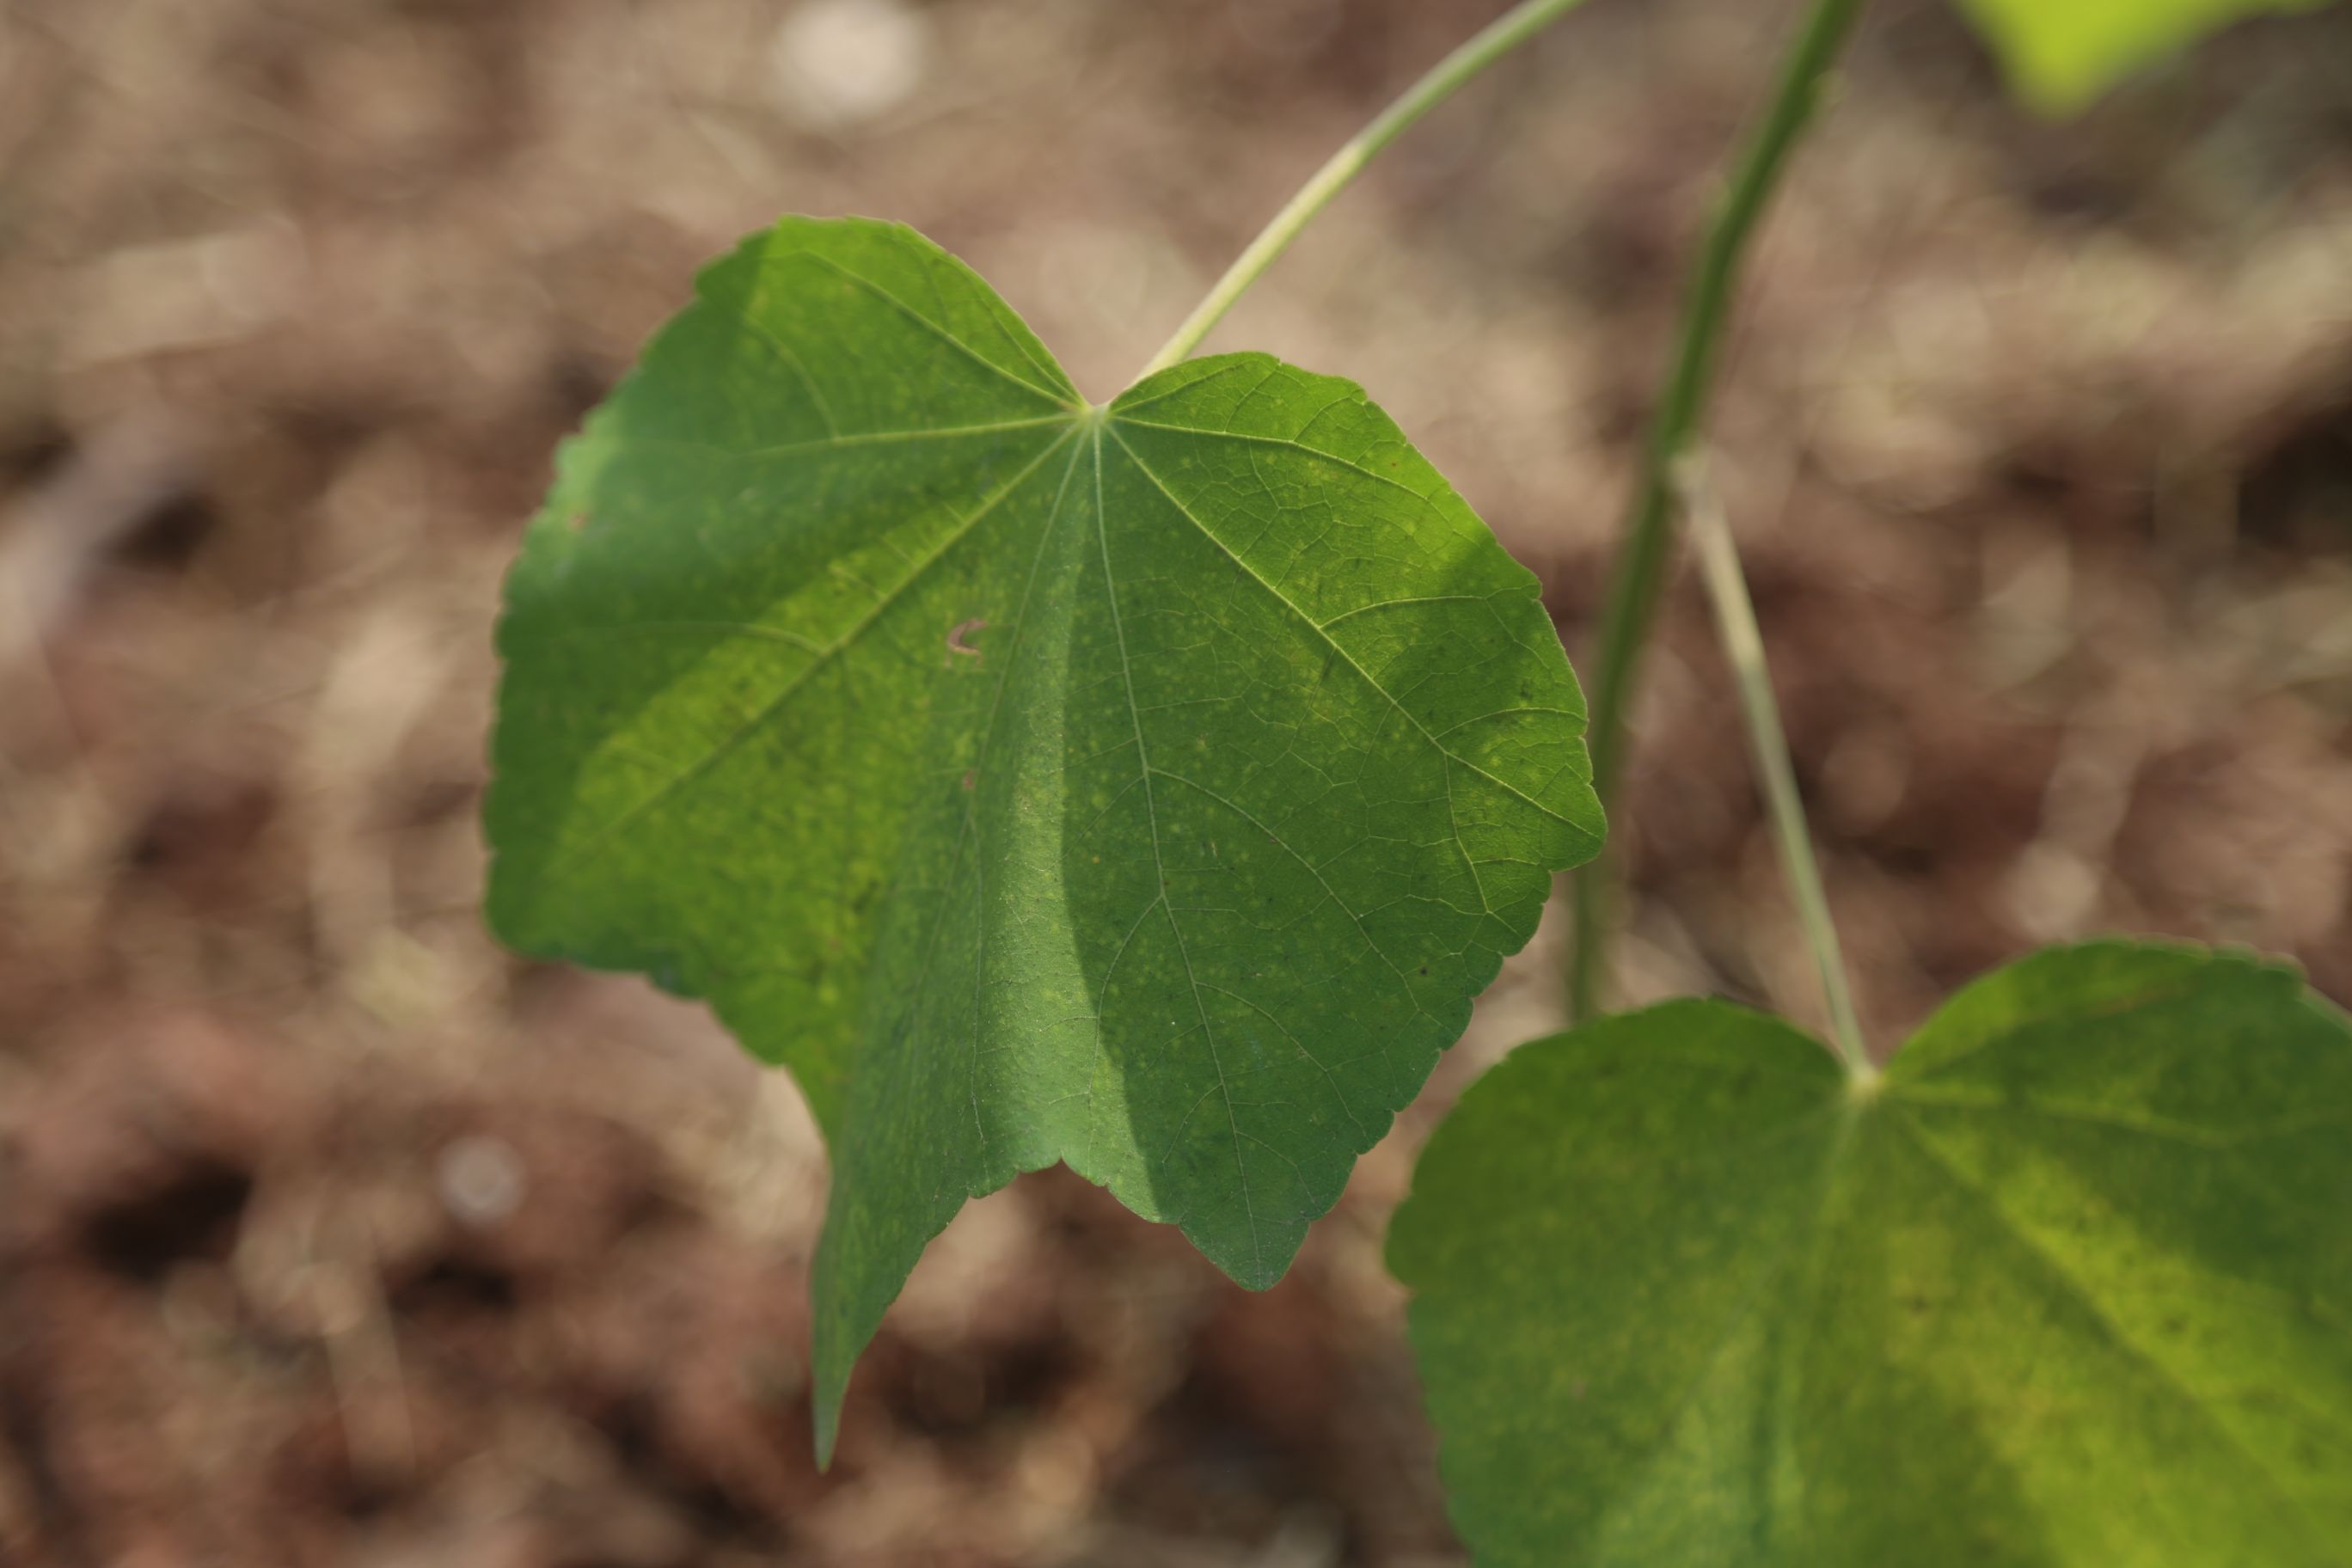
<point x="1148" y="787"/>
<point x="2062" y="54"/>
<point x="2070" y="1285"/>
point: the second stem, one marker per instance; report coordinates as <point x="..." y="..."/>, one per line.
<point x="1648" y="543"/>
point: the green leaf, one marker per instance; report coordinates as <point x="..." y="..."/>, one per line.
<point x="2062" y="54"/>
<point x="2072" y="1284"/>
<point x="1147" y="788"/>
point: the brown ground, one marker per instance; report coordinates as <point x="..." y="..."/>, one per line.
<point x="329" y="1235"/>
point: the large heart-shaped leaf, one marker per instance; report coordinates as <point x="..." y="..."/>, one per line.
<point x="2070" y="1285"/>
<point x="2061" y="54"/>
<point x="1149" y="788"/>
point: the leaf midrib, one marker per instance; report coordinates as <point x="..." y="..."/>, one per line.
<point x="1160" y="870"/>
<point x="972" y="830"/>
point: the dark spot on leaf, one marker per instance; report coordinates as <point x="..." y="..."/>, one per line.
<point x="956" y="635"/>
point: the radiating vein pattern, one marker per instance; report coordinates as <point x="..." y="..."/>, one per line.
<point x="2075" y="1287"/>
<point x="1149" y="788"/>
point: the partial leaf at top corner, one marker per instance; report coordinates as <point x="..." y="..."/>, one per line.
<point x="2071" y="1287"/>
<point x="2062" y="54"/>
<point x="1149" y="788"/>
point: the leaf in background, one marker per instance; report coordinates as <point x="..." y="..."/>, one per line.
<point x="2073" y="1285"/>
<point x="2062" y="54"/>
<point x="1149" y="789"/>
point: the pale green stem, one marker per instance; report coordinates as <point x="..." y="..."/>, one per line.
<point x="1647" y="545"/>
<point x="1743" y="646"/>
<point x="1506" y="33"/>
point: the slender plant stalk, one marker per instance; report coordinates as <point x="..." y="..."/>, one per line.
<point x="1648" y="541"/>
<point x="1498" y="38"/>
<point x="1743" y="646"/>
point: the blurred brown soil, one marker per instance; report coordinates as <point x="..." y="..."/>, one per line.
<point x="330" y="1235"/>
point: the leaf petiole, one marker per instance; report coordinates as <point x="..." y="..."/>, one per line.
<point x="1641" y="569"/>
<point x="1743" y="647"/>
<point x="1498" y="38"/>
